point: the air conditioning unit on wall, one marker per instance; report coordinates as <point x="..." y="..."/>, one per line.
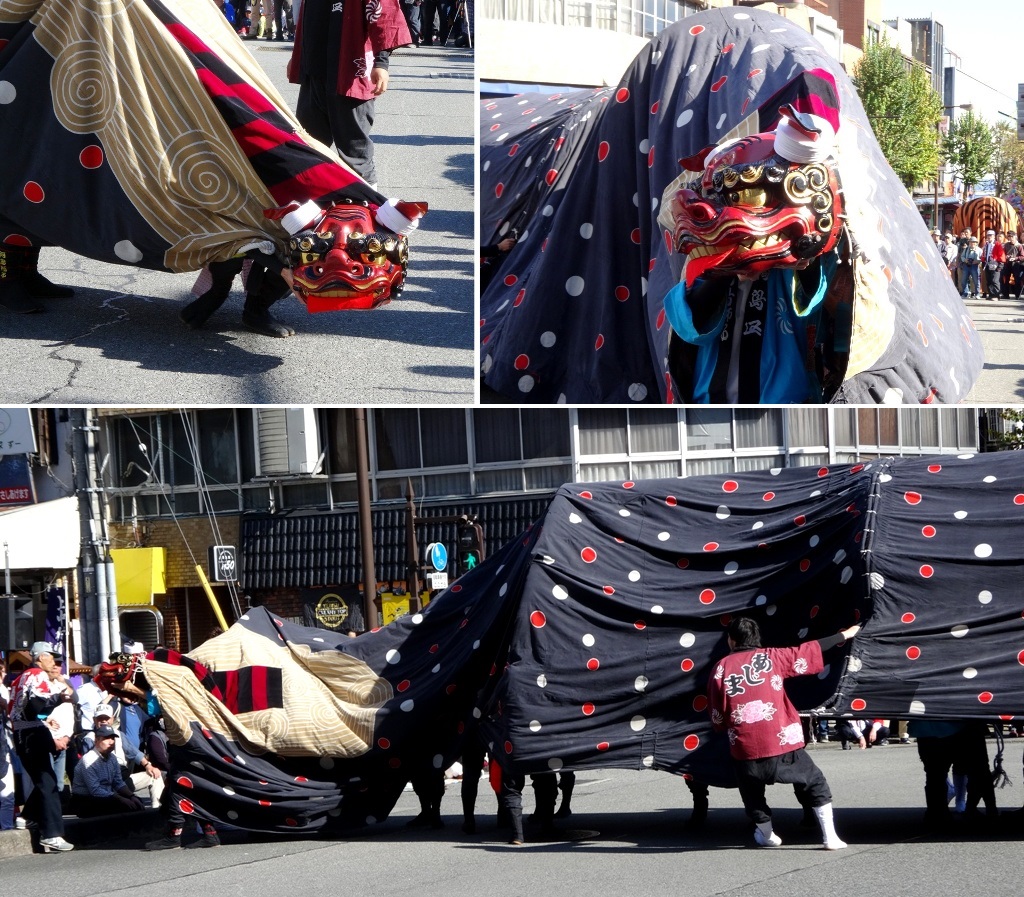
<point x="288" y="441"/>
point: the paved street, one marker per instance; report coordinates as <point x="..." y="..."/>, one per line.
<point x="120" y="341"/>
<point x="627" y="840"/>
<point x="1001" y="325"/>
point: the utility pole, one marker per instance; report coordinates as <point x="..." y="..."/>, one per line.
<point x="412" y="552"/>
<point x="365" y="521"/>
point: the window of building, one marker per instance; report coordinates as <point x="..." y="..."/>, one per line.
<point x="708" y="429"/>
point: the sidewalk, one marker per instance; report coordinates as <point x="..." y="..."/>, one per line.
<point x="87" y="832"/>
<point x="1001" y="328"/>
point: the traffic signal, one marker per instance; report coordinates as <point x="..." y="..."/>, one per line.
<point x="17" y="622"/>
<point x="471" y="544"/>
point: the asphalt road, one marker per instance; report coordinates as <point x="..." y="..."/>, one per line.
<point x="626" y="838"/>
<point x="1001" y="326"/>
<point x="119" y="341"/>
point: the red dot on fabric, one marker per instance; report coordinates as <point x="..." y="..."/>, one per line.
<point x="495" y="127"/>
<point x="264" y="803"/>
<point x="451" y="689"/>
<point x="700" y="703"/>
<point x="455" y="588"/>
<point x="403" y="685"/>
<point x="301" y="779"/>
<point x="498" y="190"/>
<point x="510" y="280"/>
<point x="660" y="322"/>
<point x="508" y="747"/>
<point x="927" y="571"/>
<point x="629" y="484"/>
<point x="602" y="150"/>
<point x="912" y="498"/>
<point x="463" y="624"/>
<point x="908" y="618"/>
<point x="986" y="697"/>
<point x="640" y="625"/>
<point x="730" y="486"/>
<point x="608" y="590"/>
<point x="858" y="704"/>
<point x="1018" y="499"/>
<point x="934" y="468"/>
<point x="207" y="732"/>
<point x="603" y="745"/>
<point x="683" y="563"/>
<point x="586" y="495"/>
<point x="512" y="150"/>
<point x="654" y="108"/>
<point x="696" y="29"/>
<point x="529" y="111"/>
<point x="551" y="176"/>
<point x="690" y="742"/>
<point x="635" y="235"/>
<point x="622" y="293"/>
<point x="822" y="471"/>
<point x="383" y="743"/>
<point x="433" y="649"/>
<point x="707" y="596"/>
<point x="768" y="496"/>
<point x="686" y="665"/>
<point x="857" y="468"/>
<point x="928" y="531"/>
<point x="33" y="192"/>
<point x="186" y="806"/>
<point x="588" y="709"/>
<point x="1020" y="658"/>
<point x="913" y="652"/>
<point x="522" y="362"/>
<point x="800" y="520"/>
<point x="599" y="341"/>
<point x="650" y="158"/>
<point x="91" y="157"/>
<point x="520" y="296"/>
<point x="290" y="821"/>
<point x="814" y="611"/>
<point x="670" y="500"/>
<point x="622" y="94"/>
<point x="185" y="782"/>
<point x="593" y="664"/>
<point x="805" y="565"/>
<point x="537" y="619"/>
<point x="589" y="555"/>
<point x="711" y="546"/>
<point x="17" y="240"/>
<point x="558" y="143"/>
<point x="395" y="762"/>
<point x="719" y="84"/>
<point x="754" y="73"/>
<point x="651" y="264"/>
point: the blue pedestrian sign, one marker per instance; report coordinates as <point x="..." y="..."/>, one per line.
<point x="438" y="556"/>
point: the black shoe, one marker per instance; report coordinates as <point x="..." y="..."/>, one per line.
<point x="168" y="842"/>
<point x="268" y="288"/>
<point x="196" y="313"/>
<point x="15" y="296"/>
<point x="42" y="288"/>
<point x="564" y="811"/>
<point x="209" y="839"/>
<point x="469" y="825"/>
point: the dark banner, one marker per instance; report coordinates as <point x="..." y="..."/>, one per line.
<point x="337" y="610"/>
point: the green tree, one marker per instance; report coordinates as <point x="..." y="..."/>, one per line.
<point x="1008" y="160"/>
<point x="969" y="148"/>
<point x="1013" y="438"/>
<point x="903" y="111"/>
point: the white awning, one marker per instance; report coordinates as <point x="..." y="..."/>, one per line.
<point x="44" y="536"/>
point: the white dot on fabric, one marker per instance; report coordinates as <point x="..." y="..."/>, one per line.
<point x="634" y="575"/>
<point x="684" y="118"/>
<point x="548" y="339"/>
<point x="542" y="681"/>
<point x="407" y="705"/>
<point x="893" y="396"/>
<point x="548" y="211"/>
<point x="643" y="286"/>
<point x="657" y="609"/>
<point x="586" y="230"/>
<point x="645" y="146"/>
<point x="648" y="761"/>
<point x="741" y="15"/>
<point x="970" y="673"/>
<point x="884" y="477"/>
<point x="959" y="631"/>
<point x="127" y="252"/>
<point x="876" y="581"/>
<point x="640" y="683"/>
<point x="721" y="120"/>
<point x="758" y="525"/>
<point x="723" y="512"/>
<point x="846" y="575"/>
<point x="560" y="592"/>
<point x="966" y="457"/>
<point x="393" y="656"/>
<point x="840" y="556"/>
<point x="637" y="723"/>
<point x="664" y="537"/>
<point x="575" y="518"/>
<point x="435" y="669"/>
<point x="371" y="820"/>
<point x="637" y="392"/>
<point x="228" y="790"/>
<point x="760" y="600"/>
<point x="623" y="512"/>
<point x="438" y="760"/>
<point x="8" y="92"/>
<point x="486" y="364"/>
<point x="989" y="479"/>
<point x="477" y="713"/>
<point x="731" y="568"/>
<point x="232" y="814"/>
<point x="802" y="633"/>
<point x="917" y="707"/>
<point x="688" y="640"/>
<point x="534" y="725"/>
<point x="554" y="764"/>
<point x="825" y="671"/>
<point x="487" y="165"/>
<point x="589" y="640"/>
<point x="476" y="643"/>
<point x="960" y="515"/>
<point x="636" y="200"/>
<point x="983" y="550"/>
<point x="547" y="559"/>
<point x="770" y="610"/>
<point x="656" y="57"/>
<point x="417" y="619"/>
<point x="327" y="763"/>
<point x="813" y="541"/>
<point x="574" y="285"/>
<point x="318" y="640"/>
<point x="985" y="597"/>
<point x="528" y="162"/>
<point x="526" y="383"/>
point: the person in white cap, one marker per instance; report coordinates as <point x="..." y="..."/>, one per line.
<point x="993" y="257"/>
<point x="43" y="721"/>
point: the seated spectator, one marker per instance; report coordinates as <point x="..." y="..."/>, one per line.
<point x="99" y="789"/>
<point x="148" y="780"/>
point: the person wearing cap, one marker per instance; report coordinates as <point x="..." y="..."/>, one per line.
<point x="993" y="257"/>
<point x="35" y="697"/>
<point x="1011" y="269"/>
<point x="99" y="789"/>
<point x="970" y="261"/>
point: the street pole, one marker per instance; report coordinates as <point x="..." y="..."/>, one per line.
<point x="938" y="176"/>
<point x="411" y="549"/>
<point x="365" y="521"/>
<point x="93" y="619"/>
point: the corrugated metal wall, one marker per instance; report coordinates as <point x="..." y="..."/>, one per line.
<point x="304" y="550"/>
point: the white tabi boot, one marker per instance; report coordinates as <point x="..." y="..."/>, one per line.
<point x="765" y="837"/>
<point x="830" y="839"/>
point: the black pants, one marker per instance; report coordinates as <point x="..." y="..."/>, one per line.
<point x="35" y="749"/>
<point x="341" y="121"/>
<point x="795" y="768"/>
<point x="85" y="806"/>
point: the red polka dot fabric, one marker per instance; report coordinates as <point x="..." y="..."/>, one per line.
<point x="84" y="171"/>
<point x="580" y="176"/>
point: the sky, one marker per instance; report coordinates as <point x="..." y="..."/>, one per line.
<point x="986" y="34"/>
